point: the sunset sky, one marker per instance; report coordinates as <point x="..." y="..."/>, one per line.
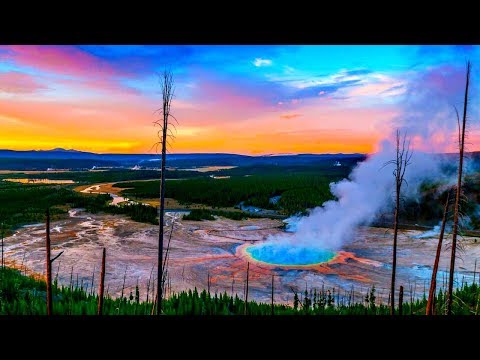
<point x="236" y="99"/>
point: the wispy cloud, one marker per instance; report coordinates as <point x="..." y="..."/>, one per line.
<point x="14" y="82"/>
<point x="394" y="90"/>
<point x="324" y="89"/>
<point x="238" y="96"/>
<point x="290" y="116"/>
<point x="259" y="62"/>
<point x="355" y="72"/>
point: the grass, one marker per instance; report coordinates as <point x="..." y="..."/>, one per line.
<point x="24" y="295"/>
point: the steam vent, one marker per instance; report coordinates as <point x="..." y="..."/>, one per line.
<point x="288" y="255"/>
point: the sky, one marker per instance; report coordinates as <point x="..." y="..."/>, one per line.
<point x="237" y="99"/>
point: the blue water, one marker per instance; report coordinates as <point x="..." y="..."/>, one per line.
<point x="285" y="254"/>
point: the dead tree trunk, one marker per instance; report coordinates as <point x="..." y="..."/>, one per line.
<point x="163" y="122"/>
<point x="71" y="279"/>
<point x="102" y="284"/>
<point x="208" y="283"/>
<point x="124" y="277"/>
<point x="56" y="275"/>
<point x="394" y="260"/>
<point x="154" y="304"/>
<point x="411" y="300"/>
<point x="93" y="281"/>
<point x="272" y="296"/>
<point x="166" y="276"/>
<point x="433" y="282"/>
<point x="475" y="271"/>
<point x="400" y="301"/>
<point x="461" y="144"/>
<point x="49" y="265"/>
<point x="3" y="261"/>
<point x="148" y="283"/>
<point x="246" y="290"/>
<point x="403" y="157"/>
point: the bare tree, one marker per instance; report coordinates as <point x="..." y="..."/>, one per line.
<point x="49" y="264"/>
<point x="148" y="283"/>
<point x="461" y="145"/>
<point x="402" y="160"/>
<point x="208" y="283"/>
<point x="102" y="284"/>
<point x="433" y="282"/>
<point x="167" y="252"/>
<point x="272" y="294"/>
<point x="164" y="122"/>
<point x="124" y="277"/>
<point x="474" y="271"/>
<point x="400" y="302"/>
<point x="93" y="281"/>
<point x="1" y="235"/>
<point x="246" y="290"/>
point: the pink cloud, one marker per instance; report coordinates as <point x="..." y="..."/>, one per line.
<point x="227" y="95"/>
<point x="18" y="83"/>
<point x="377" y="86"/>
<point x="65" y="60"/>
<point x="86" y="74"/>
<point x="87" y="85"/>
<point x="372" y="89"/>
<point x="215" y="102"/>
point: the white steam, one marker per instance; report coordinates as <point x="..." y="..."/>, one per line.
<point x="369" y="189"/>
<point x="361" y="198"/>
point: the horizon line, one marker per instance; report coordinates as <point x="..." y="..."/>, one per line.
<point x="187" y="153"/>
<point x="211" y="153"/>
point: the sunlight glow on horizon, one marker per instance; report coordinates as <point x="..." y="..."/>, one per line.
<point x="252" y="100"/>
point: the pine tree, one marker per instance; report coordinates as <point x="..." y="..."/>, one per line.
<point x="330" y="299"/>
<point x="372" y="298"/>
<point x="295" y="301"/>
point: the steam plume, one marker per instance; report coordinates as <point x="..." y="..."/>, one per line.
<point x="429" y="122"/>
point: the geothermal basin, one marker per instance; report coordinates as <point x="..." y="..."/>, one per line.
<point x="286" y="255"/>
<point x="221" y="249"/>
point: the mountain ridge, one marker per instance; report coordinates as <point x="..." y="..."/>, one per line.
<point x="74" y="151"/>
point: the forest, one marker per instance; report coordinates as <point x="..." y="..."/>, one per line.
<point x="22" y="204"/>
<point x="25" y="295"/>
<point x="299" y="191"/>
<point x="207" y="214"/>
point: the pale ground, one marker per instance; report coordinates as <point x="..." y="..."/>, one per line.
<point x="170" y="203"/>
<point x="214" y="248"/>
<point x="42" y="171"/>
<point x="40" y="181"/>
<point x="203" y="169"/>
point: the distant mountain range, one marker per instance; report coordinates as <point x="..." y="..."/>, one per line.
<point x="73" y="159"/>
<point x="62" y="158"/>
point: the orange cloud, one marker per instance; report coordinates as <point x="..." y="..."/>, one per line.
<point x="290" y="116"/>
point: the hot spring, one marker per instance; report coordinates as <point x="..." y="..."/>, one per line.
<point x="288" y="255"/>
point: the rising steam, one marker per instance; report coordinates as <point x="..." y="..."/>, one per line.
<point x="360" y="199"/>
<point x="369" y="189"/>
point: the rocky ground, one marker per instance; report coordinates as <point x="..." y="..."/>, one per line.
<point x="214" y="249"/>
